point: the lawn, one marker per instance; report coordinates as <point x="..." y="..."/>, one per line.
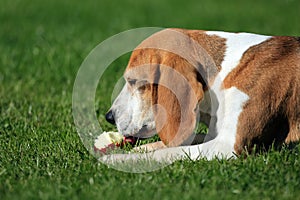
<point x="42" y="45"/>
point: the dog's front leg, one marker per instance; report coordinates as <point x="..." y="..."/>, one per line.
<point x="196" y="139"/>
<point x="150" y="147"/>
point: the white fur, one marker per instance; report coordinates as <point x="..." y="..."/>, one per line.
<point x="237" y="44"/>
<point x="131" y="116"/>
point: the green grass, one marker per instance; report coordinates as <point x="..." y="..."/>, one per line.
<point x="42" y="45"/>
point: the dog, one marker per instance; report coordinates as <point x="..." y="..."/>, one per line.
<point x="246" y="85"/>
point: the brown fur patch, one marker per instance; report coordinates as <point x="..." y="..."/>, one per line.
<point x="269" y="73"/>
<point x="214" y="45"/>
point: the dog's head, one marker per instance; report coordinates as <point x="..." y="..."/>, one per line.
<point x="161" y="93"/>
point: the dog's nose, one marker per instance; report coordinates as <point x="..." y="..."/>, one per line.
<point x="110" y="117"/>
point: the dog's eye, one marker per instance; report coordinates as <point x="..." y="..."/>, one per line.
<point x="142" y="85"/>
<point x="138" y="84"/>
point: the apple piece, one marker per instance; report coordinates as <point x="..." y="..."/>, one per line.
<point x="108" y="141"/>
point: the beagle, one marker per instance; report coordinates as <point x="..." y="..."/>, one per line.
<point x="247" y="84"/>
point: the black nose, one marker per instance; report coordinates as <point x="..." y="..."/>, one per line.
<point x="110" y="117"/>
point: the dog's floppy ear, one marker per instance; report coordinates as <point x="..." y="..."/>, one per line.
<point x="176" y="95"/>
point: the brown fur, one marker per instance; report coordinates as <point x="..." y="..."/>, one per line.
<point x="270" y="74"/>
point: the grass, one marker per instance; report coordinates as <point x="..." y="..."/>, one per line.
<point x="42" y="45"/>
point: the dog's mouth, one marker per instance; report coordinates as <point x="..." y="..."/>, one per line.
<point x="130" y="140"/>
<point x="143" y="133"/>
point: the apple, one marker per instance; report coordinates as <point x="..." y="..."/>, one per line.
<point x="111" y="140"/>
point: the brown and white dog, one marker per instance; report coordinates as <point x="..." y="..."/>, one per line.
<point x="249" y="84"/>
